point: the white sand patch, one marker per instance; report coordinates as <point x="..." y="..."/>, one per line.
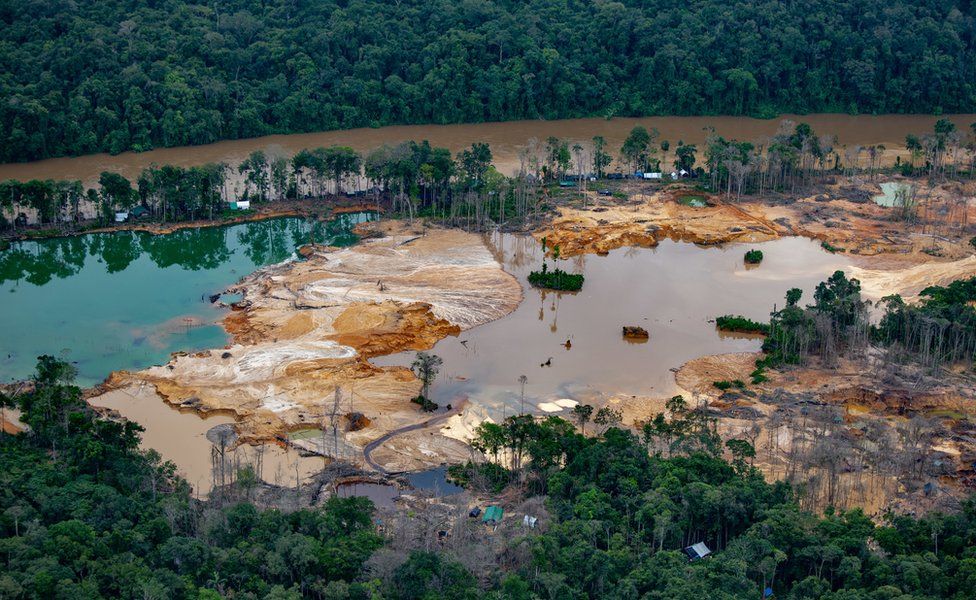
<point x="567" y="403"/>
<point x="278" y="404"/>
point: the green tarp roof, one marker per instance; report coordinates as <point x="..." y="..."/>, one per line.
<point x="493" y="514"/>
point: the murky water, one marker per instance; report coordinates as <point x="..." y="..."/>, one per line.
<point x="433" y="481"/>
<point x="180" y="437"/>
<point x="382" y="495"/>
<point x="126" y="300"/>
<point x="570" y="346"/>
<point x="507" y="139"/>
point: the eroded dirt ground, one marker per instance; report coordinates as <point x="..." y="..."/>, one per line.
<point x="307" y="328"/>
<point x="875" y="409"/>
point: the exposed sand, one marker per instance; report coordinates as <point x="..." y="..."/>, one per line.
<point x="309" y="326"/>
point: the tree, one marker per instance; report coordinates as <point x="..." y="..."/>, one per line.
<point x="117" y="192"/>
<point x="608" y="417"/>
<point x="582" y="414"/>
<point x="684" y="157"/>
<point x="474" y="163"/>
<point x="426" y="366"/>
<point x="635" y="148"/>
<point x="601" y="159"/>
<point x="741" y="450"/>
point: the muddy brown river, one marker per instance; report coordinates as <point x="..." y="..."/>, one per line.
<point x="507" y="139"/>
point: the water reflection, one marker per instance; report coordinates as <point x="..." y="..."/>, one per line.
<point x="262" y="242"/>
<point x="570" y="345"/>
<point x="125" y="300"/>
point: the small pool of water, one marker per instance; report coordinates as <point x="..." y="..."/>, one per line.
<point x="893" y="194"/>
<point x="693" y="201"/>
<point x="381" y="495"/>
<point x="181" y="437"/>
<point x="433" y="481"/>
<point x="126" y="300"/>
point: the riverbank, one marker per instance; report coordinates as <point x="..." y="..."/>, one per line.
<point x="508" y="140"/>
<point x="320" y="208"/>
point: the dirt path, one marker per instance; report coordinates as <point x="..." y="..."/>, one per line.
<point x="368" y="449"/>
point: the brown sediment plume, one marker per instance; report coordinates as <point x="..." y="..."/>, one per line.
<point x="307" y="328"/>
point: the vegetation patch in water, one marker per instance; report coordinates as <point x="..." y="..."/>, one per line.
<point x="556" y="279"/>
<point x="740" y="324"/>
<point x="754" y="257"/>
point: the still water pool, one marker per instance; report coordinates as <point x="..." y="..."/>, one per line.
<point x="126" y="300"/>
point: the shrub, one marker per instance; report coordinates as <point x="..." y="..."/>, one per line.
<point x="556" y="279"/>
<point x="832" y="249"/>
<point x="754" y="257"/>
<point x="741" y="324"/>
<point x="727" y="385"/>
<point x="492" y="476"/>
<point x="425" y="404"/>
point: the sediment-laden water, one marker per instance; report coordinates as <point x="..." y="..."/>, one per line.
<point x="570" y="345"/>
<point x="507" y="140"/>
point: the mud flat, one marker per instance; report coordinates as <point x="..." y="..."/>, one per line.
<point x="308" y="327"/>
<point x="841" y="214"/>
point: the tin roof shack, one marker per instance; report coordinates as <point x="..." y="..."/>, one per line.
<point x="697" y="551"/>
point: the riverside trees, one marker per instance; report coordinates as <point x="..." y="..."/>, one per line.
<point x="102" y="76"/>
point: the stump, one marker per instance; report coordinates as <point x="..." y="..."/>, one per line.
<point x="635" y="332"/>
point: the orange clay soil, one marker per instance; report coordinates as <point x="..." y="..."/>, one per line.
<point x="307" y="328"/>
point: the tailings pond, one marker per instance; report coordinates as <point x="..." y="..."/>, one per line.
<point x="570" y="346"/>
<point x="126" y="300"/>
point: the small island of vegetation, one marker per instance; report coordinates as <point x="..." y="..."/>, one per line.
<point x="556" y="279"/>
<point x="754" y="257"/>
<point x="740" y="324"/>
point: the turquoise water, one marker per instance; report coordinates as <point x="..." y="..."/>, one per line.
<point x="126" y="300"/>
<point x="892" y="194"/>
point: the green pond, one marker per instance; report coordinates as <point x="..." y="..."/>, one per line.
<point x="893" y="194"/>
<point x="126" y="300"/>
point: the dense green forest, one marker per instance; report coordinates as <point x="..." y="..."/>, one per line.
<point x="85" y="514"/>
<point x="81" y="76"/>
